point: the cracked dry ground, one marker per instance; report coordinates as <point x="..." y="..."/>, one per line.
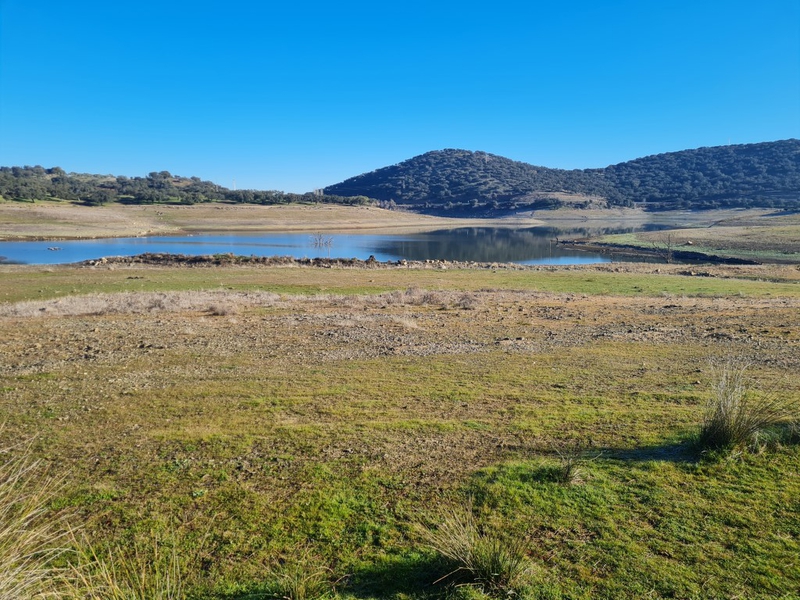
<point x="424" y="387"/>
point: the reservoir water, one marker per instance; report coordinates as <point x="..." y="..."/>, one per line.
<point x="481" y="244"/>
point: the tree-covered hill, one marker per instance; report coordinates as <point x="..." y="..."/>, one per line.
<point x="766" y="175"/>
<point x="477" y="180"/>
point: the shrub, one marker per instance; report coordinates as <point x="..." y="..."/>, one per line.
<point x="485" y="560"/>
<point x="735" y="415"/>
<point x="222" y="310"/>
<point x="568" y="470"/>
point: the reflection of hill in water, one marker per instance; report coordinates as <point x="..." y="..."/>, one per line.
<point x="487" y="244"/>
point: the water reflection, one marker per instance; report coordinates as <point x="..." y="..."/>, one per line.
<point x="535" y="245"/>
<point x="477" y="244"/>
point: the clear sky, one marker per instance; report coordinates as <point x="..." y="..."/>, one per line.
<point x="295" y="95"/>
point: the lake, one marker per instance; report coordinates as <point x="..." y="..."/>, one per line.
<point x="480" y="244"/>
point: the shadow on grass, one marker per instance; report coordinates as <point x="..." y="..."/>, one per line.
<point x="409" y="576"/>
<point x="412" y="576"/>
<point x="682" y="451"/>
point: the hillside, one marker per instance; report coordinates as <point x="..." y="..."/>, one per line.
<point x="465" y="183"/>
<point x="747" y="175"/>
<point x="751" y="175"/>
<point x="450" y="178"/>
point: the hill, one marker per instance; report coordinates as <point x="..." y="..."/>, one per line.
<point x="749" y="175"/>
<point x="465" y="183"/>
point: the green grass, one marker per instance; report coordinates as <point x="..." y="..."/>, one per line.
<point x="48" y="283"/>
<point x="633" y="524"/>
<point x="669" y="528"/>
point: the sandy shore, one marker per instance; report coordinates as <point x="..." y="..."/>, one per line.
<point x="61" y="220"/>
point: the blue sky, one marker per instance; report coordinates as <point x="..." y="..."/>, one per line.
<point x="298" y="95"/>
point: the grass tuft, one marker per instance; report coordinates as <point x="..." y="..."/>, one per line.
<point x="300" y="578"/>
<point x="481" y="559"/>
<point x="141" y="571"/>
<point x="735" y="416"/>
<point x="568" y="470"/>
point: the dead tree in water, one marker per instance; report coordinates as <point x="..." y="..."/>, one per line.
<point x="320" y="240"/>
<point x="664" y="246"/>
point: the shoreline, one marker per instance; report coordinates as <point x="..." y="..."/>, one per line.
<point x="53" y="221"/>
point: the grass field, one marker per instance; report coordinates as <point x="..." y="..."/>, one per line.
<point x="763" y="238"/>
<point x="301" y="424"/>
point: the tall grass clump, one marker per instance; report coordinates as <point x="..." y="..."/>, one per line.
<point x="482" y="559"/>
<point x="30" y="535"/>
<point x="736" y="415"/>
<point x="299" y="578"/>
<point x="143" y="570"/>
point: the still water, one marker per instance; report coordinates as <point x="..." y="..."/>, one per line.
<point x="480" y="244"/>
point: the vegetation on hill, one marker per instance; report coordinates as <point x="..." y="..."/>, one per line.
<point x="449" y="178"/>
<point x="475" y="183"/>
<point x="751" y="175"/>
<point x="38" y="183"/>
<point x="742" y="176"/>
<point x="470" y="180"/>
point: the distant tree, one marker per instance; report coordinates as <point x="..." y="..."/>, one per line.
<point x="99" y="197"/>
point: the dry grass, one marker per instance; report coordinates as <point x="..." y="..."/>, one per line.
<point x="64" y="220"/>
<point x="31" y="535"/>
<point x="217" y="303"/>
<point x="299" y="577"/>
<point x="139" y="571"/>
<point x="225" y="303"/>
<point x="331" y="419"/>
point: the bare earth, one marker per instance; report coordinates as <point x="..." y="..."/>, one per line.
<point x="61" y="220"/>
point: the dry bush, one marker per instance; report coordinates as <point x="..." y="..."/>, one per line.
<point x="468" y="301"/>
<point x="435" y="298"/>
<point x="223" y="309"/>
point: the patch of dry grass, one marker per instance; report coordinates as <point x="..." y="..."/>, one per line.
<point x="31" y="535"/>
<point x="737" y="413"/>
<point x="217" y="303"/>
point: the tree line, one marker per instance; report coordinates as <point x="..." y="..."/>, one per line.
<point x="39" y="183"/>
